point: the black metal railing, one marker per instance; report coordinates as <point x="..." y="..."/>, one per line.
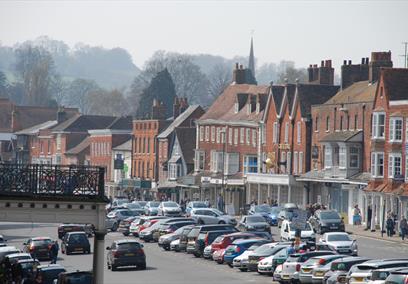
<point x="51" y="180"/>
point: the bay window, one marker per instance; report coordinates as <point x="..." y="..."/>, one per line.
<point x="199" y="160"/>
<point x="378" y="125"/>
<point x="250" y="164"/>
<point x="354" y="157"/>
<point x="201" y="133"/>
<point x="232" y="163"/>
<point x="328" y="157"/>
<point x="217" y="161"/>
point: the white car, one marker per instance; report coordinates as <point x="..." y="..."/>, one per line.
<point x="340" y="242"/>
<point x="288" y="232"/>
<point x="267" y="265"/>
<point x="208" y="216"/>
<point x="241" y="262"/>
<point x="169" y="208"/>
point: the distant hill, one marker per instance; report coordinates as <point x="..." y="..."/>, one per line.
<point x="109" y="68"/>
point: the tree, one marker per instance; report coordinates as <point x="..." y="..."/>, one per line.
<point x="78" y="94"/>
<point x="59" y="89"/>
<point x="161" y="88"/>
<point x="3" y="85"/>
<point x="108" y="103"/>
<point x="35" y="67"/>
<point x="288" y="72"/>
<point x="266" y="73"/>
<point x="219" y="78"/>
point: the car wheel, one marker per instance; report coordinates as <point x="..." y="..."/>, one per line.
<point x="220" y="261"/>
<point x="166" y="248"/>
<point x="142" y="266"/>
<point x="230" y="265"/>
<point x="125" y="234"/>
<point x="243" y="269"/>
<point x="221" y="222"/>
<point x="114" y="267"/>
<point x="200" y="222"/>
<point x="114" y="227"/>
<point x="67" y="252"/>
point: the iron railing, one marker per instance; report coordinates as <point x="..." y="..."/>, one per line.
<point x="51" y="180"/>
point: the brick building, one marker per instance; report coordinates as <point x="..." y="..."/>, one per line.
<point x="388" y="159"/>
<point x="341" y="138"/>
<point x="287" y="135"/>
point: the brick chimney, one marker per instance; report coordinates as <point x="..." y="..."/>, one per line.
<point x="183" y="104"/>
<point x="323" y="75"/>
<point x="352" y="73"/>
<point x="176" y="107"/>
<point x="158" y="110"/>
<point x="61" y="114"/>
<point x="378" y="60"/>
<point x="241" y="75"/>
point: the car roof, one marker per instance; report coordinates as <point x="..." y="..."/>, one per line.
<point x="50" y="266"/>
<point x="336" y="233"/>
<point x="126" y="241"/>
<point x="8" y="248"/>
<point x="18" y="254"/>
<point x="327" y="256"/>
<point x="76" y="233"/>
<point x="40" y="238"/>
<point x="217" y="231"/>
<point x="312" y="252"/>
<point x="240" y="241"/>
<point x="352" y="259"/>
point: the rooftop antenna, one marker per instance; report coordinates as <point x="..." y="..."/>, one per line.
<point x="405" y="55"/>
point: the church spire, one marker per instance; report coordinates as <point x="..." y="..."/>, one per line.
<point x="251" y="61"/>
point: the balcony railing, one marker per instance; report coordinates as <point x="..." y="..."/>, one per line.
<point x="52" y="181"/>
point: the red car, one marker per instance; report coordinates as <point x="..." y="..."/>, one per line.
<point x="223" y="241"/>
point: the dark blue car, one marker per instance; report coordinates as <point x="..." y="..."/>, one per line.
<point x="238" y="247"/>
<point x="269" y="213"/>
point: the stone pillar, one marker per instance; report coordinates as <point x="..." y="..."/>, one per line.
<point x="279" y="195"/>
<point x="289" y="193"/>
<point x="99" y="256"/>
<point x="269" y="193"/>
<point x="248" y="197"/>
<point x="259" y="193"/>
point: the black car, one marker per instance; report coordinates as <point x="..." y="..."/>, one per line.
<point x="67" y="228"/>
<point x="253" y="223"/>
<point x="264" y="251"/>
<point x="75" y="242"/>
<point x="206" y="238"/>
<point x="78" y="277"/>
<point x="39" y="247"/>
<point x="50" y="272"/>
<point x="326" y="221"/>
<point x="126" y="253"/>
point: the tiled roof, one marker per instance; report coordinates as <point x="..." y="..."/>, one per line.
<point x="121" y="123"/>
<point x="36" y="128"/>
<point x="340" y="136"/>
<point x="313" y="94"/>
<point x="83" y="123"/>
<point x="361" y="91"/>
<point x="82" y="146"/>
<point x="223" y="108"/>
<point x="186" y="137"/>
<point x="178" y="121"/>
<point x="277" y="95"/>
<point x="395" y="83"/>
<point x="127" y="146"/>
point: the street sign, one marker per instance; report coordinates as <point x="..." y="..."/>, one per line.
<point x="299" y="219"/>
<point x="125" y="168"/>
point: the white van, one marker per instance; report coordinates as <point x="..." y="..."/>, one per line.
<point x="288" y="232"/>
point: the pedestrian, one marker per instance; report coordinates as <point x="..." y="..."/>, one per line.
<point x="369" y="215"/>
<point x="220" y="203"/>
<point x="390" y="226"/>
<point x="291" y="249"/>
<point x="403" y="227"/>
<point x="356" y="216"/>
<point x="54" y="252"/>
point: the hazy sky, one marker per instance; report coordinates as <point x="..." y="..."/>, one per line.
<point x="302" y="31"/>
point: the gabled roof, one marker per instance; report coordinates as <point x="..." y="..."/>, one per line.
<point x="178" y="121"/>
<point x="82" y="146"/>
<point x="313" y="94"/>
<point x="395" y="83"/>
<point x="343" y="136"/>
<point x="361" y="91"/>
<point x="127" y="146"/>
<point x="186" y="137"/>
<point x="121" y="123"/>
<point x="288" y="98"/>
<point x="277" y="95"/>
<point x="223" y="108"/>
<point x="36" y="128"/>
<point x="83" y="123"/>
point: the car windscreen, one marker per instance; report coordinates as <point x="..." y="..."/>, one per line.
<point x="262" y="208"/>
<point x="126" y="213"/>
<point x="199" y="205"/>
<point x="78" y="238"/>
<point x="379" y="275"/>
<point x="50" y="274"/>
<point x="338" y="238"/>
<point x="128" y="246"/>
<point x="194" y="233"/>
<point x="154" y="204"/>
<point x="170" y="204"/>
<point x="329" y="215"/>
<point x="264" y="249"/>
<point x="179" y="230"/>
<point x="293" y="259"/>
<point x="306" y="227"/>
<point x="79" y="279"/>
<point x="201" y="236"/>
<point x="255" y="219"/>
<point x="339" y="266"/>
<point x="133" y="206"/>
<point x="275" y="210"/>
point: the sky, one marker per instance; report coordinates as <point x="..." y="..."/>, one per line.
<point x="305" y="32"/>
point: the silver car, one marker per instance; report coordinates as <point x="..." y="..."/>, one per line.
<point x="152" y="208"/>
<point x="170" y="209"/>
<point x="340" y="242"/>
<point x="113" y="218"/>
<point x="208" y="216"/>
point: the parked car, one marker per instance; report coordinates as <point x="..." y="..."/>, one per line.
<point x="170" y="227"/>
<point x="195" y="205"/>
<point x="238" y="247"/>
<point x="149" y="228"/>
<point x="114" y="217"/>
<point x="175" y="245"/>
<point x="291" y="267"/>
<point x="193" y="234"/>
<point x="136" y="208"/>
<point x="379" y="276"/>
<point x="208" y="216"/>
<point x="140" y="224"/>
<point x="38" y="248"/>
<point x="339" y="269"/>
<point x="224" y="241"/>
<point x="307" y="269"/>
<point x="327" y="221"/>
<point x="152" y="208"/>
<point x="397" y="277"/>
<point x="140" y="203"/>
<point x="165" y="240"/>
<point x="340" y="242"/>
<point x="124" y="225"/>
<point x="218" y="256"/>
<point x="117" y="202"/>
<point x="207" y="238"/>
<point x="4" y="251"/>
<point x="268" y="264"/>
<point x="126" y="253"/>
<point x="15" y="257"/>
<point x="170" y="209"/>
<point x="269" y="213"/>
<point x="50" y="272"/>
<point x="28" y="267"/>
<point x="75" y="242"/>
<point x="153" y="234"/>
<point x="262" y="252"/>
<point x="253" y="223"/>
<point x="363" y="271"/>
<point x="182" y="242"/>
<point x="68" y="227"/>
<point x="78" y="277"/>
<point x="241" y="261"/>
<point x="288" y="232"/>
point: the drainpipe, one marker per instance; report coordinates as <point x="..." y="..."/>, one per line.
<point x="362" y="147"/>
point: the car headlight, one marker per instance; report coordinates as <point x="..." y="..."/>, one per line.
<point x="250" y="227"/>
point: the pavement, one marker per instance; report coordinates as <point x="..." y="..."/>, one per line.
<point x="361" y="231"/>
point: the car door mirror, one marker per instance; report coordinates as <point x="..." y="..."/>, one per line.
<point x="108" y="248"/>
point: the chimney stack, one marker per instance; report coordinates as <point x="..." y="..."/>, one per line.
<point x="351" y="73"/>
<point x="158" y="110"/>
<point x="378" y="60"/>
<point x="323" y="75"/>
<point x="61" y="114"/>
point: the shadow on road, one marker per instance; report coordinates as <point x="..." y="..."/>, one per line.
<point x="135" y="268"/>
<point x="11" y="226"/>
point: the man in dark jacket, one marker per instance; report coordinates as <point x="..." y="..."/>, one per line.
<point x="54" y="252"/>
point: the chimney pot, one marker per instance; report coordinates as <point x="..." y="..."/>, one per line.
<point x="241" y="67"/>
<point x="344" y="62"/>
<point x="271" y="83"/>
<point x="330" y="63"/>
<point x="236" y="65"/>
<point x="367" y="60"/>
<point x="322" y="63"/>
<point x="362" y="60"/>
<point x="349" y="62"/>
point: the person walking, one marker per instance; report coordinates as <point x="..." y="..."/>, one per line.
<point x="291" y="250"/>
<point x="369" y="215"/>
<point x="54" y="252"/>
<point x="403" y="227"/>
<point x="390" y="226"/>
<point x="220" y="203"/>
<point x="357" y="215"/>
